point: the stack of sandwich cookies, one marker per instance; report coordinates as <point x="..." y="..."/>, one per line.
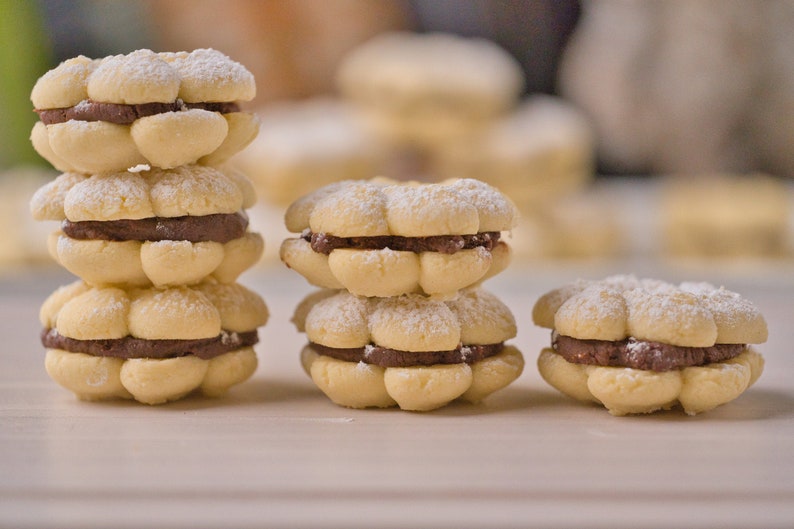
<point x="158" y="247"/>
<point x="641" y="345"/>
<point x="401" y="319"/>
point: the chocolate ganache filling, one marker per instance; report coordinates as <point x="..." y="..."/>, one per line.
<point x="122" y="114"/>
<point x="130" y="347"/>
<point x="220" y="227"/>
<point x="383" y="357"/>
<point x="638" y="354"/>
<point x="447" y="244"/>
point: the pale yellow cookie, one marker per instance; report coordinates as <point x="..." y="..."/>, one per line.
<point x="305" y="145"/>
<point x="725" y="215"/>
<point x="447" y="211"/>
<point x="95" y="116"/>
<point x="425" y="89"/>
<point x="632" y="391"/>
<point x="186" y="190"/>
<point x="402" y="327"/>
<point x="159" y="263"/>
<point x="634" y="344"/>
<point x="94" y="320"/>
<point x="539" y="151"/>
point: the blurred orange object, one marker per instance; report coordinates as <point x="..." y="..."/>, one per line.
<point x="291" y="47"/>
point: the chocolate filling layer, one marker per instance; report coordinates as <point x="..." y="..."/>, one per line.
<point x="129" y="347"/>
<point x="219" y="227"/>
<point x="121" y="114"/>
<point x="380" y="356"/>
<point x="446" y="244"/>
<point x="650" y="356"/>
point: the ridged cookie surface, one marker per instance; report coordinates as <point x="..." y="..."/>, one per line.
<point x="96" y="319"/>
<point x="406" y="323"/>
<point x="187" y="190"/>
<point x="383" y="208"/>
<point x="185" y="132"/>
<point x="408" y="326"/>
<point x="624" y="390"/>
<point x="418" y="388"/>
<point x="691" y="314"/>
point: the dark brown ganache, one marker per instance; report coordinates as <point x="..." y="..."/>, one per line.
<point x="384" y="357"/>
<point x="639" y="354"/>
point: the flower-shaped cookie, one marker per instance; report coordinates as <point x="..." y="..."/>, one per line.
<point x="410" y="350"/>
<point x="386" y="238"/>
<point x="152" y="345"/>
<point x="161" y="109"/>
<point x="425" y="89"/>
<point x="640" y="345"/>
<point x="161" y="227"/>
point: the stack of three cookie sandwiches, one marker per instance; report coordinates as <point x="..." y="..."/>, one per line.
<point x="151" y="222"/>
<point x="401" y="318"/>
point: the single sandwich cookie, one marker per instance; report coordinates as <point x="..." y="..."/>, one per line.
<point x="422" y="90"/>
<point x="641" y="345"/>
<point x="151" y="345"/>
<point x="162" y="227"/>
<point x="385" y="238"/>
<point x="160" y="109"/>
<point x="410" y="351"/>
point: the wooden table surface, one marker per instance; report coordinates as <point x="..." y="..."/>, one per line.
<point x="275" y="452"/>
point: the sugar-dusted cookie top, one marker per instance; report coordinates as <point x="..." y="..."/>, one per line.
<point x="691" y="314"/>
<point x="81" y="312"/>
<point x="405" y="323"/>
<point x="381" y="207"/>
<point x="186" y="190"/>
<point x="143" y="76"/>
<point x="396" y="66"/>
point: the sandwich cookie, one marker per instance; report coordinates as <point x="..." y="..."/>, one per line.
<point x="382" y="238"/>
<point x="159" y="109"/>
<point x="641" y="345"/>
<point x="410" y="351"/>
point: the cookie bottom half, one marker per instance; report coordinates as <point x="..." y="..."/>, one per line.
<point x="149" y="381"/>
<point x="625" y="391"/>
<point x="418" y="388"/>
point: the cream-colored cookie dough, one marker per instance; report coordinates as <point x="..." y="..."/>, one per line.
<point x="81" y="312"/>
<point x="631" y="391"/>
<point x="539" y="151"/>
<point x="165" y="140"/>
<point x="90" y="313"/>
<point x="690" y="314"/>
<point x="305" y="145"/>
<point x="419" y="388"/>
<point x="148" y="381"/>
<point x="158" y="263"/>
<point x="187" y="190"/>
<point x="384" y="207"/>
<point x="425" y="89"/>
<point x="407" y="323"/>
<point x="725" y="216"/>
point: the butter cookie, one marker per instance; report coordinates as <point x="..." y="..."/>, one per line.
<point x="411" y="351"/>
<point x="641" y="345"/>
<point x="384" y="238"/>
<point x="152" y="345"/>
<point x="160" y="109"/>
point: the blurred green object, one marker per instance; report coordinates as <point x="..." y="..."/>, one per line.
<point x="25" y="54"/>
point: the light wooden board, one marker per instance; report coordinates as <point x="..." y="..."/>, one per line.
<point x="275" y="452"/>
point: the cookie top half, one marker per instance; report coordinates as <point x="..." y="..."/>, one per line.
<point x="382" y="206"/>
<point x="409" y="322"/>
<point x="399" y="67"/>
<point x="143" y="76"/>
<point x="690" y="314"/>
